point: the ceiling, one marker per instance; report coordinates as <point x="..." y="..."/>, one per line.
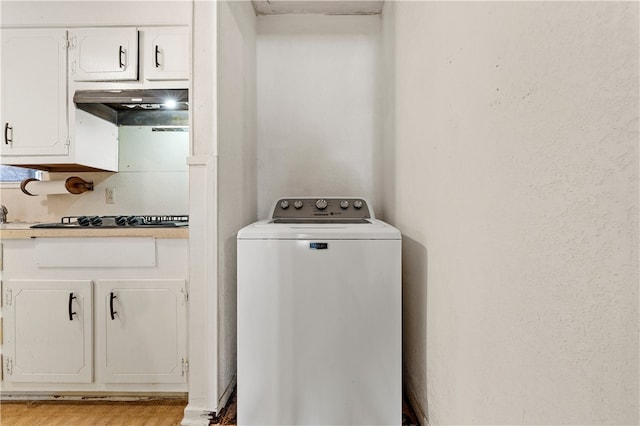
<point x="324" y="7"/>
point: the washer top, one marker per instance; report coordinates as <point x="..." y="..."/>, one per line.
<point x="320" y="218"/>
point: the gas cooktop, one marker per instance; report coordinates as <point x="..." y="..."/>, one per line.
<point x="139" y="221"/>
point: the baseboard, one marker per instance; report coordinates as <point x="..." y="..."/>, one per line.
<point x="416" y="406"/>
<point x="197" y="417"/>
<point x="89" y="396"/>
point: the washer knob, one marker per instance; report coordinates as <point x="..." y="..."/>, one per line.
<point x="297" y="204"/>
<point x="357" y="204"/>
<point x="321" y="204"/>
<point x="284" y="204"/>
<point x="344" y="204"/>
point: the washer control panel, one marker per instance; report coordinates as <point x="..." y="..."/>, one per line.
<point x="321" y="208"/>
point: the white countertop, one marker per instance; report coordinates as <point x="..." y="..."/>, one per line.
<point x="20" y="230"/>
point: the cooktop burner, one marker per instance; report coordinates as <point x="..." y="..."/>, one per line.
<point x="118" y="222"/>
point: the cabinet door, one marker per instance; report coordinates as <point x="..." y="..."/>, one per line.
<point x="141" y="331"/>
<point x="34" y="92"/>
<point x="104" y="54"/>
<point x="166" y="53"/>
<point x="48" y="331"/>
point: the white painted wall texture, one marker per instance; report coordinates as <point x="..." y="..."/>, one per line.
<point x="74" y="13"/>
<point x="236" y="149"/>
<point x="516" y="187"/>
<point x="319" y="130"/>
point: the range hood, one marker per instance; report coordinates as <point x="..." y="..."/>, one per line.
<point x="149" y="107"/>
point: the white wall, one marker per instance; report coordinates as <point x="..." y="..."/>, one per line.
<point x="74" y="13"/>
<point x="319" y="129"/>
<point x="516" y="189"/>
<point x="236" y="165"/>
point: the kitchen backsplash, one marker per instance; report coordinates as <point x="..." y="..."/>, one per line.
<point x="153" y="179"/>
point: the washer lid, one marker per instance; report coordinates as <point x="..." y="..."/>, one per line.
<point x="371" y="229"/>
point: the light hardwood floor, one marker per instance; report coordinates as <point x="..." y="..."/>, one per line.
<point x="162" y="412"/>
<point x="92" y="413"/>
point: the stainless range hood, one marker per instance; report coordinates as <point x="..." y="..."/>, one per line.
<point x="150" y="107"/>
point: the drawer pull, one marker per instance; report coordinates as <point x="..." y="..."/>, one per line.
<point x="157" y="53"/>
<point x="7" y="140"/>
<point x="71" y="313"/>
<point x="121" y="53"/>
<point x="113" y="313"/>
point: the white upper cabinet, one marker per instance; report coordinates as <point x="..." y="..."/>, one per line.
<point x="166" y="53"/>
<point x="34" y="92"/>
<point x="42" y="68"/>
<point x="104" y="54"/>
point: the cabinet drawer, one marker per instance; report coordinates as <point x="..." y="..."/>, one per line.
<point x="95" y="252"/>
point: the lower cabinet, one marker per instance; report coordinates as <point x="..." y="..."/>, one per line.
<point x="48" y="333"/>
<point x="141" y="330"/>
<point x="94" y="328"/>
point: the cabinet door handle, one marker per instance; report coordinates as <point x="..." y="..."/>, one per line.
<point x="71" y="313"/>
<point x="156" y="57"/>
<point x="121" y="54"/>
<point x="7" y="141"/>
<point x="113" y="313"/>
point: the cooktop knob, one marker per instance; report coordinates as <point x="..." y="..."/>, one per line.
<point x="344" y="204"/>
<point x="96" y="220"/>
<point x="297" y="204"/>
<point x="84" y="221"/>
<point x="284" y="204"/>
<point x="321" y="204"/>
<point x="357" y="204"/>
<point x="121" y="221"/>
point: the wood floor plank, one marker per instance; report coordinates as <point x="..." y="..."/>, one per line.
<point x="93" y="413"/>
<point x="106" y="413"/>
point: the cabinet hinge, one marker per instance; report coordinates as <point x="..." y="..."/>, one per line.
<point x="71" y="42"/>
<point x="8" y="297"/>
<point x="185" y="366"/>
<point x="9" y="366"/>
<point x="185" y="294"/>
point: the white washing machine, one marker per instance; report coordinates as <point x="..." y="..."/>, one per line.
<point x="319" y="316"/>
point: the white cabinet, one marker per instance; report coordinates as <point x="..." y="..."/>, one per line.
<point x="48" y="331"/>
<point x="167" y="52"/>
<point x="42" y="69"/>
<point x="141" y="330"/>
<point x="104" y="54"/>
<point x="35" y="108"/>
<point x="59" y="331"/>
<point x="34" y="92"/>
